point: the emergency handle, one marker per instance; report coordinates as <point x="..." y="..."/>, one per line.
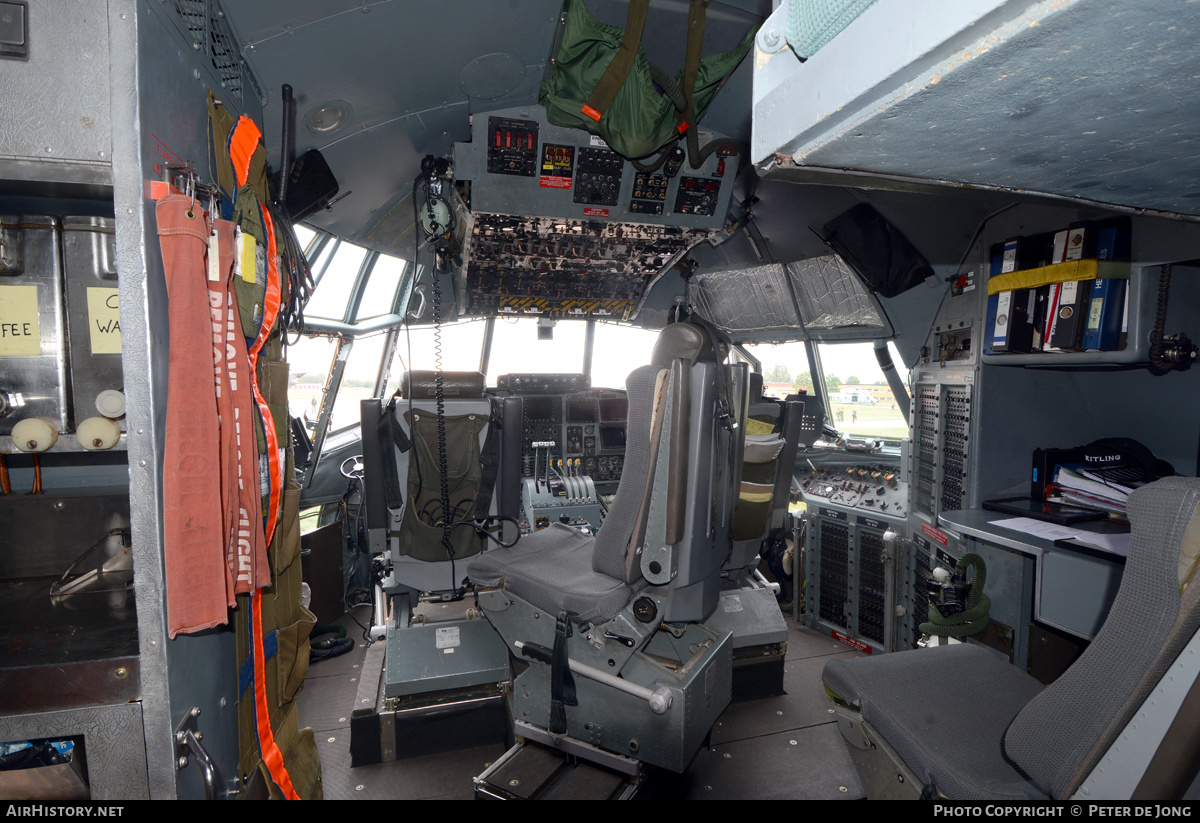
<point x="660" y="699"/>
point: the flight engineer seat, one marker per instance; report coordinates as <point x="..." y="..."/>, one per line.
<point x="1120" y="723"/>
<point x="621" y="666"/>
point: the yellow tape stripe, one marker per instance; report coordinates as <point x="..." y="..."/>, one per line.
<point x="1057" y="273"/>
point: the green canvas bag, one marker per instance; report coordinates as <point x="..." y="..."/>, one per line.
<point x="603" y="82"/>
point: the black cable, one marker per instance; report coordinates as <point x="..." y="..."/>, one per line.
<point x="300" y="279"/>
<point x="657" y="164"/>
<point x="1160" y="318"/>
<point x="366" y="632"/>
<point x="425" y="180"/>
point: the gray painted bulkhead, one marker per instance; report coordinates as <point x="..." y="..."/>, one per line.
<point x="106" y="86"/>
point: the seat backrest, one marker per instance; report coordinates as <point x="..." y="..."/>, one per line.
<point x="686" y="471"/>
<point x="615" y="552"/>
<point x="410" y="520"/>
<point x="772" y="441"/>
<point x="681" y="514"/>
<point x="1060" y="736"/>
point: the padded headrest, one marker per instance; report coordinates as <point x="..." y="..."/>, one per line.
<point x="422" y="385"/>
<point x="756" y="386"/>
<point x="682" y="340"/>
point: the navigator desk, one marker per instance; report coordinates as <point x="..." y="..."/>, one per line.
<point x="1072" y="588"/>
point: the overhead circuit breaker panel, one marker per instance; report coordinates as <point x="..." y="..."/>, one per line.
<point x="561" y="223"/>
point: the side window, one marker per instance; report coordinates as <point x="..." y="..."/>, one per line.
<point x="860" y="400"/>
<point x="309" y="361"/>
<point x="358" y="380"/>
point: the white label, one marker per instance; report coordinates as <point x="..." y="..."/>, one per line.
<point x="1003" y="307"/>
<point x="1075" y="244"/>
<point x="599" y="141"/>
<point x="1009" y="261"/>
<point x="1068" y="292"/>
<point x="447" y="638"/>
<point x="104" y="320"/>
<point x="20" y="332"/>
<point x="731" y="603"/>
<point x="1060" y="247"/>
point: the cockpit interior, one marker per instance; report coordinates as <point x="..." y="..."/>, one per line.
<point x="600" y="399"/>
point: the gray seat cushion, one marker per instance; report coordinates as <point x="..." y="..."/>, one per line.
<point x="944" y="711"/>
<point x="552" y="569"/>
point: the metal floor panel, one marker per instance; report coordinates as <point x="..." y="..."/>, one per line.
<point x="803" y="705"/>
<point x="441" y="776"/>
<point x="326" y="702"/>
<point x="806" y="642"/>
<point x="762" y="763"/>
<point x="806" y="764"/>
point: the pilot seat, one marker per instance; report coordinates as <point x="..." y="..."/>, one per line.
<point x="618" y="665"/>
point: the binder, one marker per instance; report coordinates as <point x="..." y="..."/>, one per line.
<point x="1055" y="289"/>
<point x="1104" y="316"/>
<point x="1047" y="295"/>
<point x="1071" y="314"/>
<point x="1073" y="311"/>
<point x="996" y="323"/>
<point x="1107" y="303"/>
<point x="1013" y="325"/>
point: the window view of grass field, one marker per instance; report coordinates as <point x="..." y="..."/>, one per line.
<point x="860" y="401"/>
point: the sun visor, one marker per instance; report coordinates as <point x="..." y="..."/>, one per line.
<point x="831" y="296"/>
<point x="828" y="294"/>
<point x="754" y="298"/>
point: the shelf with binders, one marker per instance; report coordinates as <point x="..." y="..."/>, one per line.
<point x="1135" y="324"/>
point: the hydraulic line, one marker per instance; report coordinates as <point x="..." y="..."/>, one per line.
<point x="893" y="378"/>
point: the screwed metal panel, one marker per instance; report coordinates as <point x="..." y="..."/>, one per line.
<point x="112" y="737"/>
<point x="34" y="381"/>
<point x="56" y="105"/>
<point x="143" y="404"/>
<point x="1081" y="98"/>
<point x="90" y="262"/>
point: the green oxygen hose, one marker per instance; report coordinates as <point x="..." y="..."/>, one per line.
<point x="974" y="618"/>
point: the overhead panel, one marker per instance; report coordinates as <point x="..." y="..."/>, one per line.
<point x="562" y="224"/>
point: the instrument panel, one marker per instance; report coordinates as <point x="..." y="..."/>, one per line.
<point x="581" y="424"/>
<point x="866" y="487"/>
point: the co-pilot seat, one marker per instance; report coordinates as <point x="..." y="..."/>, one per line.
<point x="749" y="606"/>
<point x="622" y="668"/>
<point x="438" y="649"/>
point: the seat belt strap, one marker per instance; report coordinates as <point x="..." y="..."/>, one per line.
<point x="489" y="460"/>
<point x="562" y="682"/>
<point x="389" y="430"/>
<point x="622" y="63"/>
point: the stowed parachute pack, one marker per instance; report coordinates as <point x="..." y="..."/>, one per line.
<point x="603" y="82"/>
<point x="273" y="626"/>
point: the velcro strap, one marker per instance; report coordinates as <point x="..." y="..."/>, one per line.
<point x="562" y="682"/>
<point x="622" y="62"/>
